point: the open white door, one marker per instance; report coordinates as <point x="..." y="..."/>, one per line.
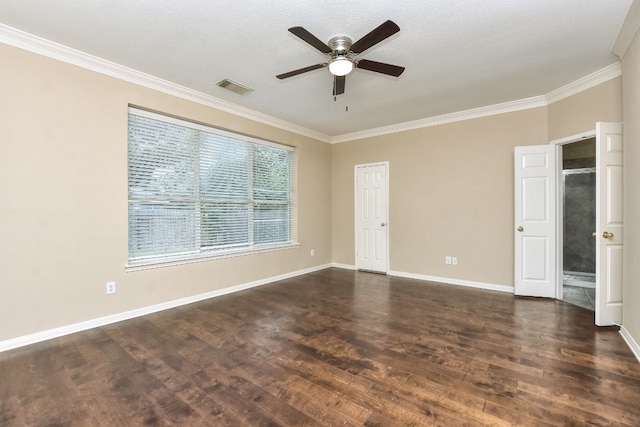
<point x="609" y="224"/>
<point x="371" y="216"/>
<point x="535" y="221"/>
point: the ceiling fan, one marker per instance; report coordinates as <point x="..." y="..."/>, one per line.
<point x="344" y="54"/>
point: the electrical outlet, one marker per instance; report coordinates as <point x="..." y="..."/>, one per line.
<point x="313" y="252"/>
<point x="454" y="260"/>
<point x="447" y="260"/>
<point x="111" y="288"/>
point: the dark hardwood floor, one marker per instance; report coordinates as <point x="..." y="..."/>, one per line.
<point x="333" y="348"/>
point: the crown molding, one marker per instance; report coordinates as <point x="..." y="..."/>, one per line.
<point x="627" y="31"/>
<point x="491" y="110"/>
<point x="587" y="82"/>
<point x="44" y="47"/>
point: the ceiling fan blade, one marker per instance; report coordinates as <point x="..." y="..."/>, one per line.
<point x="380" y="67"/>
<point x="385" y="30"/>
<point x="300" y="71"/>
<point x="338" y="85"/>
<point x="310" y="38"/>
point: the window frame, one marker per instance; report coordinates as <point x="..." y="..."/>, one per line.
<point x="202" y="254"/>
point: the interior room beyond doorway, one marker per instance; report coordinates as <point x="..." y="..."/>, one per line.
<point x="579" y="222"/>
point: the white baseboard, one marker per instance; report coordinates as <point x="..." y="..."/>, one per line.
<point x="106" y="320"/>
<point x="633" y="345"/>
<point x="467" y="283"/>
<point x="457" y="282"/>
<point x="101" y="321"/>
<point x="343" y="266"/>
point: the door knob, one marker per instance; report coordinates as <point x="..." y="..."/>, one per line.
<point x="607" y="235"/>
<point x="520" y="228"/>
<point x="383" y="224"/>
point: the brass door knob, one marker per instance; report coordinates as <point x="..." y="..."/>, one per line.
<point x="520" y="228"/>
<point x="383" y="224"/>
<point x="607" y="235"/>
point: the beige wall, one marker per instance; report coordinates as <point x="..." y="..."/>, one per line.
<point x="576" y="114"/>
<point x="631" y="108"/>
<point x="451" y="193"/>
<point x="63" y="174"/>
<point x="451" y="186"/>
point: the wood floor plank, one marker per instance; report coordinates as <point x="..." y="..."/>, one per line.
<point x="333" y="347"/>
<point x="589" y="410"/>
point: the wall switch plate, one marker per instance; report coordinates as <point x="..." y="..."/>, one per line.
<point x="447" y="260"/>
<point x="454" y="260"/>
<point x="111" y="288"/>
<point x="313" y="252"/>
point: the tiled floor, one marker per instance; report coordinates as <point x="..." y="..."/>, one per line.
<point x="579" y="290"/>
<point x="577" y="295"/>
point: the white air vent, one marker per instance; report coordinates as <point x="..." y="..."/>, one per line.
<point x="234" y="86"/>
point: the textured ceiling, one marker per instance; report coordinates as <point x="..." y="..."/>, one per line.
<point x="458" y="55"/>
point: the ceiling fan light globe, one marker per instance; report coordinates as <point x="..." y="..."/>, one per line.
<point x="340" y="67"/>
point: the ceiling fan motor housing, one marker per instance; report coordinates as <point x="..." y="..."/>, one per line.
<point x="340" y="45"/>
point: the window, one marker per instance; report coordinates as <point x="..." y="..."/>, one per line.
<point x="196" y="191"/>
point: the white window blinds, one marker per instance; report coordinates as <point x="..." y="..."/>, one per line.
<point x="195" y="190"/>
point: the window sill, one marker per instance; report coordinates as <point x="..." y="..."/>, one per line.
<point x="150" y="263"/>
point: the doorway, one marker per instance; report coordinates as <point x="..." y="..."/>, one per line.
<point x="372" y="217"/>
<point x="579" y="223"/>
<point x="538" y="202"/>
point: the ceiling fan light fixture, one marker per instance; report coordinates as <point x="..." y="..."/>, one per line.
<point x="340" y="66"/>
